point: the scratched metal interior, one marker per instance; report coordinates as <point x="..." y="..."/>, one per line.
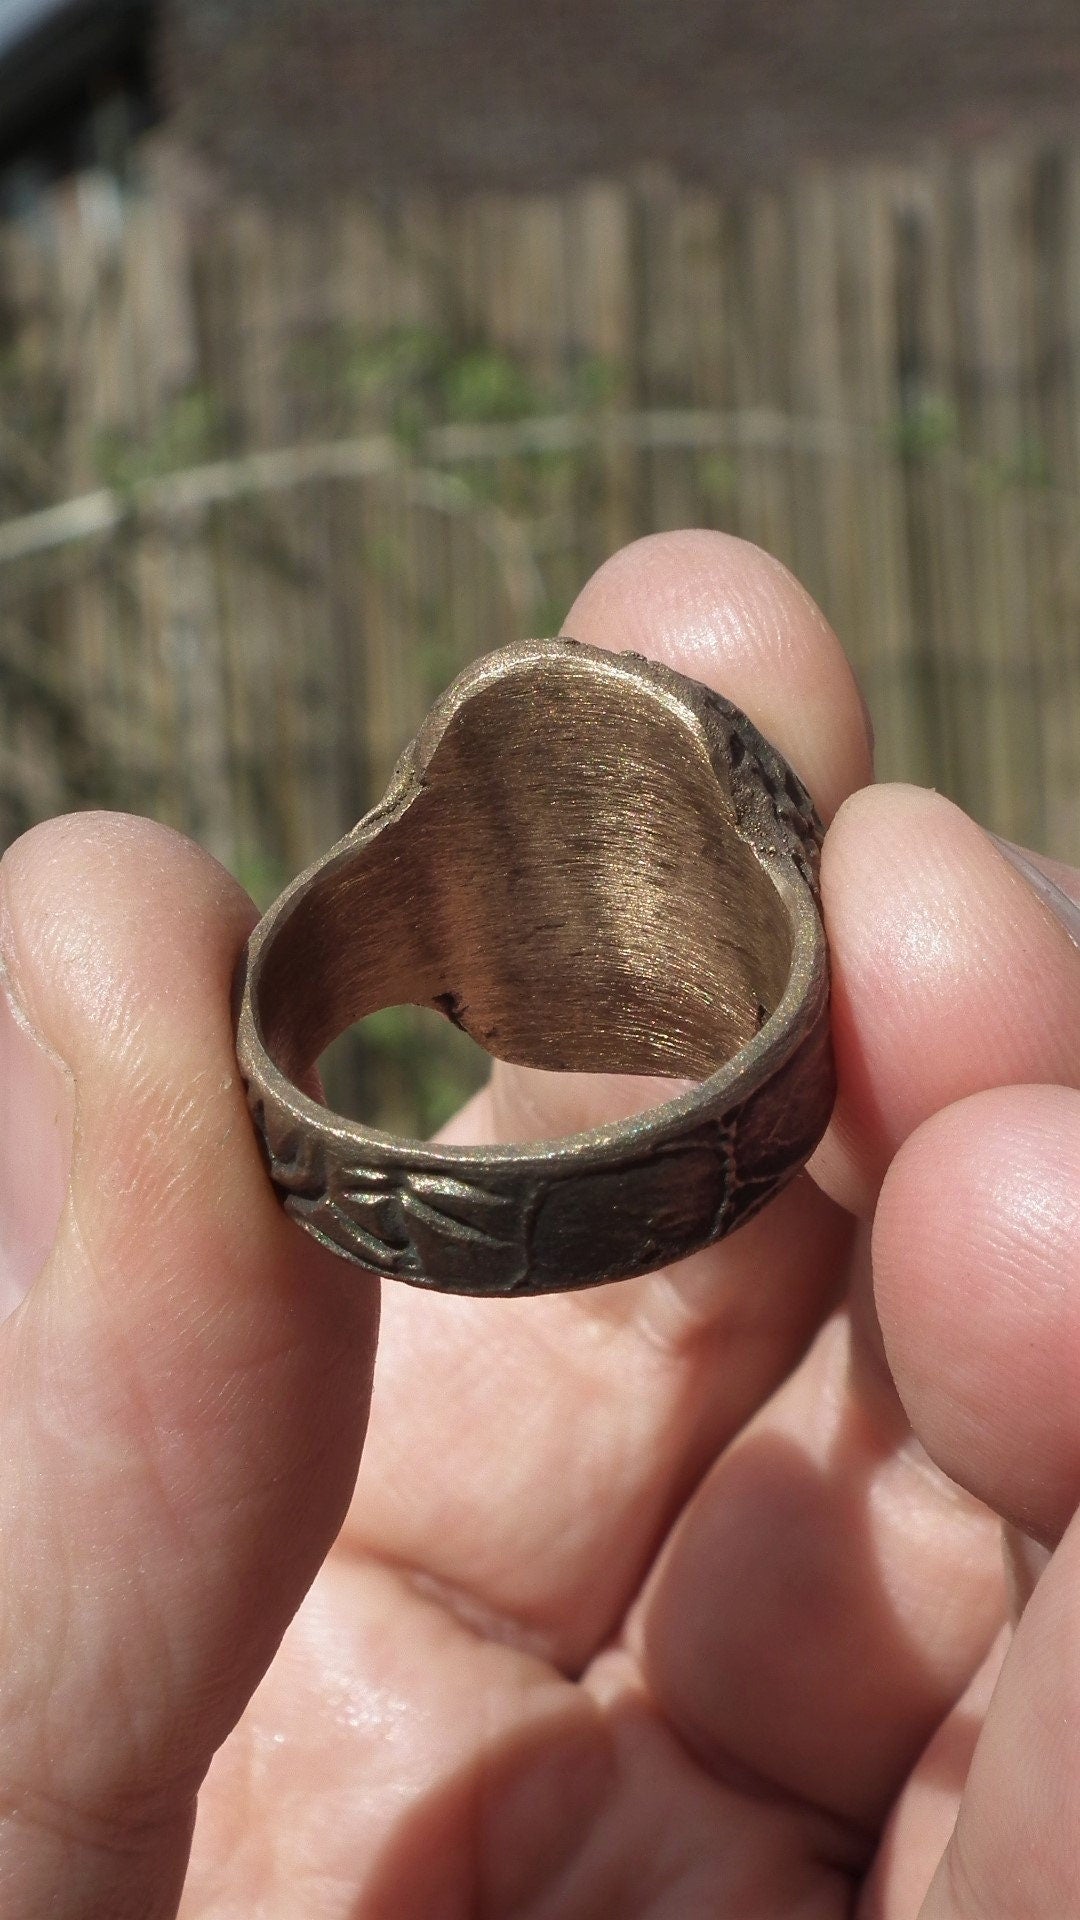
<point x="568" y="886"/>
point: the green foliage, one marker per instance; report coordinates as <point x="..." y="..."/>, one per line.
<point x="411" y="378"/>
<point x="440" y="658"/>
<point x="931" y="428"/>
<point x="1027" y="466"/>
<point x="926" y="427"/>
<point x="390" y="362"/>
<point x="260" y="875"/>
<point x="387" y="556"/>
<point x="718" y="479"/>
<point x="484" y="383"/>
<point x="404" y="1068"/>
<point x="33" y="403"/>
<point x="597" y="381"/>
<point x="550" y="615"/>
<point x="188" y="433"/>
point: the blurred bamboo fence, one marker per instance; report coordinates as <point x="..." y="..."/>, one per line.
<point x="268" y="477"/>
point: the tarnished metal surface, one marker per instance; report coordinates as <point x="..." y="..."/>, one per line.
<point x="588" y="862"/>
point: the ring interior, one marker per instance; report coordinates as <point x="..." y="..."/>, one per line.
<point x="568" y="885"/>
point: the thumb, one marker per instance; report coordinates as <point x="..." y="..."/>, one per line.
<point x="183" y="1389"/>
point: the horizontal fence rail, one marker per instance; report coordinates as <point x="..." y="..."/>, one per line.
<point x="268" y="479"/>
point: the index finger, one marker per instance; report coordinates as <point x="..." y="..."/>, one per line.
<point x="617" y="1399"/>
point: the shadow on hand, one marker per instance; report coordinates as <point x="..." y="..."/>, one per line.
<point x="804" y="1632"/>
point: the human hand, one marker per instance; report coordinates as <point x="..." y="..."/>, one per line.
<point x="652" y="1601"/>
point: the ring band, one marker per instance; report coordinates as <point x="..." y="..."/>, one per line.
<point x="589" y="862"/>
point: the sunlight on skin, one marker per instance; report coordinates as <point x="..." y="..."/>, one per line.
<point x="647" y="1602"/>
<point x="37" y="1112"/>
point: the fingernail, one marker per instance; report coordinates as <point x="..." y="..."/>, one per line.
<point x="1051" y="895"/>
<point x="37" y="1114"/>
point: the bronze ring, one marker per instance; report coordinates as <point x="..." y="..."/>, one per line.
<point x="587" y="861"/>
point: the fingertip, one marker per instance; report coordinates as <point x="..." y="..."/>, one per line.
<point x="949" y="975"/>
<point x="730" y="616"/>
<point x="105" y="918"/>
<point x="70" y="982"/>
<point x="726" y="613"/>
<point x="119" y="939"/>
